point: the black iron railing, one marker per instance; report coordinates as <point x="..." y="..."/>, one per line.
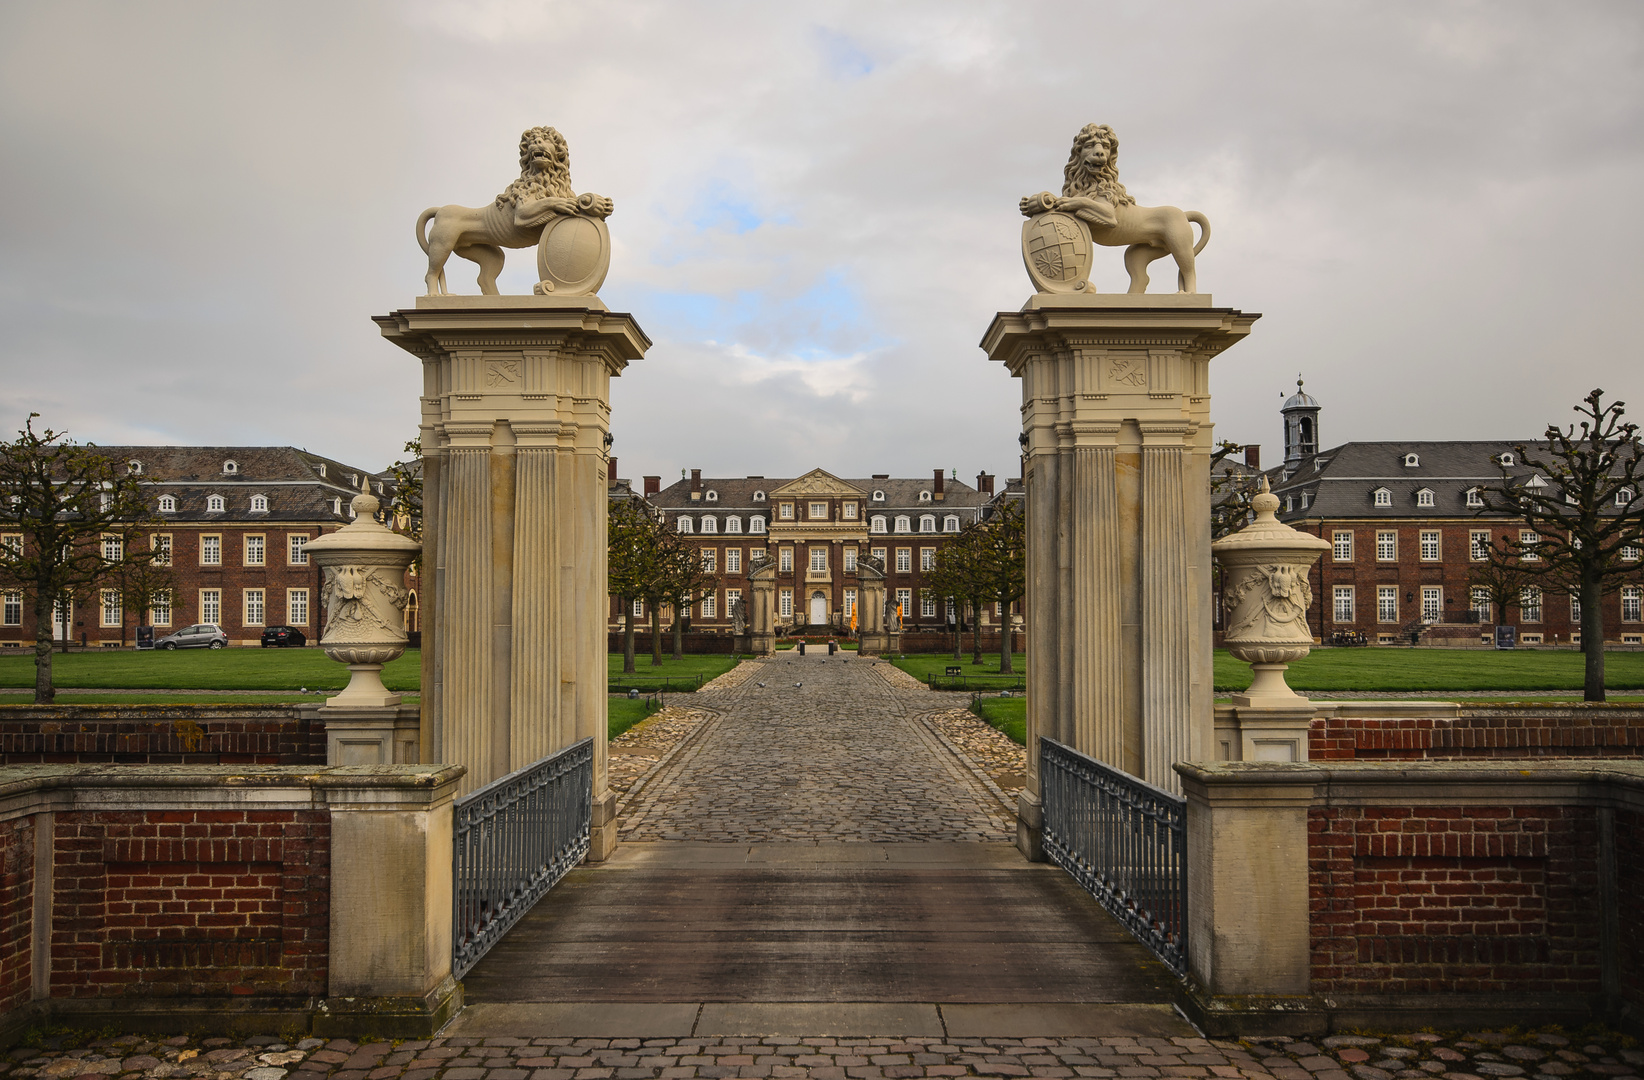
<point x="515" y="838"/>
<point x="1124" y="840"/>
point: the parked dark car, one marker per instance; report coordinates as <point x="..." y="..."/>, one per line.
<point x="198" y="636"/>
<point x="283" y="637"/>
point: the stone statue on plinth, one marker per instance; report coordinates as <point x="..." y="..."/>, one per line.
<point x="541" y="208"/>
<point x="739" y="619"/>
<point x="1096" y="209"/>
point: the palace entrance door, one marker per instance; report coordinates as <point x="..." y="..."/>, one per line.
<point x="819" y="609"/>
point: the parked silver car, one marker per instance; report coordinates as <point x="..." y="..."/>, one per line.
<point x="198" y="636"/>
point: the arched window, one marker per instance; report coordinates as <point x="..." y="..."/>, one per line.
<point x="134" y="467"/>
<point x="1383" y="497"/>
<point x="877" y="523"/>
<point x="924" y="496"/>
<point x="1424" y="497"/>
<point x="950" y="523"/>
<point x="756" y="524"/>
<point x="231" y="468"/>
<point x="927" y="523"/>
<point x="336" y="504"/>
<point x="1507" y="459"/>
<point x="711" y="496"/>
<point x="710" y="524"/>
<point x="214" y="504"/>
<point x="904" y="523"/>
<point x="682" y="523"/>
<point x="733" y="524"/>
<point x="879" y="496"/>
<point x="1411" y="461"/>
<point x="168" y="504"/>
<point x="259" y="504"/>
<point x="759" y="496"/>
<point x="1474" y="498"/>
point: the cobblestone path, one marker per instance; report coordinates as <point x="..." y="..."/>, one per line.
<point x="818" y="749"/>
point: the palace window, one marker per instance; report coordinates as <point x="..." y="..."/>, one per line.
<point x="819" y="511"/>
<point x="733" y="560"/>
<point x="254" y="550"/>
<point x="850" y="560"/>
<point x="1529" y="604"/>
<point x="134" y="467"/>
<point x="904" y="560"/>
<point x="639" y="609"/>
<point x="1623" y="496"/>
<point x="11" y="609"/>
<point x="1629" y="603"/>
<point x="1383" y="497"/>
<point x="168" y="504"/>
<point x="785" y="512"/>
<point x="756" y="556"/>
<point x="879" y="553"/>
<point x="160" y="544"/>
<point x="819" y="559"/>
<point x="759" y="496"/>
<point x="848" y="511"/>
<point x="296" y="549"/>
<point x="1480" y="602"/>
<point x="784" y="559"/>
<point x="1474" y="498"/>
<point x="296" y="607"/>
<point x="1341" y="546"/>
<point x="927" y="559"/>
<point x="924" y="496"/>
<point x="254" y="607"/>
<point x="850" y="602"/>
<point x="1424" y="497"/>
<point x="214" y="504"/>
<point x="903" y="523"/>
<point x="1343" y="603"/>
<point x="112" y="613"/>
<point x="211" y="554"/>
<point x="927" y="607"/>
<point x="1387" y="547"/>
<point x="1507" y="459"/>
<point x="927" y="523"/>
<point x="950" y="523"/>
<point x="756" y="524"/>
<point x="1432" y="603"/>
<point x="877" y="524"/>
<point x="259" y="504"/>
<point x="114" y="549"/>
<point x="13" y="543"/>
<point x="710" y="606"/>
<point x="1575" y="609"/>
<point x="784" y="603"/>
<point x="159" y="608"/>
<point x="1429" y="545"/>
<point x="1629" y="554"/>
<point x="1478" y="545"/>
<point x="1387" y="603"/>
<point x="211" y="606"/>
<point x="231" y="468"/>
<point x="731" y="597"/>
<point x="682" y="523"/>
<point x="879" y="496"/>
<point x="904" y="602"/>
<point x="1527" y="541"/>
<point x="1411" y="461"/>
<point x="733" y="525"/>
<point x="710" y="524"/>
<point x="710" y="496"/>
<point x="710" y="561"/>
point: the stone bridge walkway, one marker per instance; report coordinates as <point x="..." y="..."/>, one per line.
<point x="816" y="857"/>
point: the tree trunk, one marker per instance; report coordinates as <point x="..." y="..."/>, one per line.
<point x="976" y="630"/>
<point x="958" y="629"/>
<point x="1005" y="667"/>
<point x="1592" y="635"/>
<point x="656" y="633"/>
<point x="679" y="631"/>
<point x="627" y="635"/>
<point x="44" y="692"/>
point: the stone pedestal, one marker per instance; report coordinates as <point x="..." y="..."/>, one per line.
<point x="515" y="411"/>
<point x="1116" y="409"/>
<point x="761" y="636"/>
<point x="365" y="736"/>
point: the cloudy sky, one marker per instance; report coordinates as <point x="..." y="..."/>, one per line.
<point x="1434" y="206"/>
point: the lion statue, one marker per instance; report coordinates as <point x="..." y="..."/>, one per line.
<point x="514" y="219"/>
<point x="1091" y="191"/>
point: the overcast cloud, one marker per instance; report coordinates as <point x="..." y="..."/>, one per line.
<point x="1434" y="206"/>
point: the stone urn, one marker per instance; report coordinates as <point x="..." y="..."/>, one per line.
<point x="364" y="595"/>
<point x="1266" y="598"/>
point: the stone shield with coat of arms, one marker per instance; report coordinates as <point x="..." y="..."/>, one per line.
<point x="573" y="255"/>
<point x="1056" y="248"/>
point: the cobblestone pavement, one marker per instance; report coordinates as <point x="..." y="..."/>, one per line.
<point x="642" y="747"/>
<point x="818" y="749"/>
<point x="1423" y="1056"/>
<point x="988" y="748"/>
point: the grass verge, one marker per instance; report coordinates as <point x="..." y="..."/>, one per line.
<point x="205" y="697"/>
<point x="624" y="713"/>
<point x="687" y="667"/>
<point x="279" y="670"/>
<point x="919" y="665"/>
<point x="1394" y="669"/>
<point x="1008" y="715"/>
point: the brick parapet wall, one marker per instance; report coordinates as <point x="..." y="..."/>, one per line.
<point x="16" y="912"/>
<point x="160" y="735"/>
<point x="1475" y="733"/>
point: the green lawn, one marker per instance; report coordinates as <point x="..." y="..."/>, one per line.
<point x="624" y="713"/>
<point x="279" y="670"/>
<point x="80" y="697"/>
<point x="687" y="667"/>
<point x="1009" y="715"/>
<point x="1374" y="668"/>
<point x="921" y="665"/>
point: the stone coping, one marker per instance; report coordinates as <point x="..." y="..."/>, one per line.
<point x="1538" y="781"/>
<point x="30" y="789"/>
<point x="139" y="710"/>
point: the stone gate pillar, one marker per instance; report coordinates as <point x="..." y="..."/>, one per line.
<point x="515" y="412"/>
<point x="1116" y="413"/>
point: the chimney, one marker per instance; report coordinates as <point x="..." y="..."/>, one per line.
<point x="936" y="492"/>
<point x="1253" y="455"/>
<point x="881" y="476"/>
<point x="984" y="483"/>
<point x="610" y="472"/>
<point x="696" y="485"/>
<point x="653" y="484"/>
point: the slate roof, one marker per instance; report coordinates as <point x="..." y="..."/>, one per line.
<point x="737" y="493"/>
<point x="1341" y="482"/>
<point x="291" y="480"/>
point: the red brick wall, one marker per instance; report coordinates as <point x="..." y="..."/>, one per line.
<point x="1453" y="899"/>
<point x="1503" y="732"/>
<point x="166" y="735"/>
<point x="16" y="912"/>
<point x="178" y="903"/>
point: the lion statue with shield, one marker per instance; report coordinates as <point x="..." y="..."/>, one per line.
<point x="541" y="200"/>
<point x="1095" y="208"/>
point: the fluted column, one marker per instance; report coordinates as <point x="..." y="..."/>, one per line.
<point x="1166" y="606"/>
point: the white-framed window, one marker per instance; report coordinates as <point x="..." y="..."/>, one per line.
<point x="904" y="560"/>
<point x="927" y="523"/>
<point x="13" y="543"/>
<point x="759" y="496"/>
<point x="211" y="606"/>
<point x="850" y="602"/>
<point x="731" y="597"/>
<point x="1623" y="496"/>
<point x="639" y="609"/>
<point x="682" y="524"/>
<point x="1343" y="603"/>
<point x="950" y="523"/>
<point x="1529" y="604"/>
<point x="1480" y="602"/>
<point x="1630" y="603"/>
<point x="784" y="603"/>
<point x="11" y="609"/>
<point x="159" y="608"/>
<point x="1629" y="554"/>
<point x="1429" y="545"/>
<point x="785" y="511"/>
<point x="1575" y="609"/>
<point x="924" y="496"/>
<point x="296" y="607"/>
<point x="1387" y="603"/>
<point x="927" y="607"/>
<point x="1432" y="603"/>
<point x="904" y="600"/>
<point x="168" y="504"/>
<point x="784" y="559"/>
<point x="259" y="504"/>
<point x="211" y="553"/>
<point x="255" y="607"/>
<point x="733" y="560"/>
<point x="1411" y="461"/>
<point x="1387" y="546"/>
<point x="877" y="523"/>
<point x="819" y="511"/>
<point x="878" y="496"/>
<point x="710" y="524"/>
<point x="1474" y="498"/>
<point x="847" y="511"/>
<point x="927" y="559"/>
<point x="819" y="558"/>
<point x="755" y="557"/>
<point x="904" y="523"/>
<point x="1341" y="545"/>
<point x="710" y="560"/>
<point x="134" y="467"/>
<point x="850" y="560"/>
<point x="1424" y="497"/>
<point x="879" y="553"/>
<point x="111" y="611"/>
<point x="1528" y="539"/>
<point x="710" y="606"/>
<point x="756" y="524"/>
<point x="1478" y="545"/>
<point x="1383" y="497"/>
<point x="296" y="549"/>
<point x="114" y="549"/>
<point x="256" y="550"/>
<point x="336" y="505"/>
<point x="231" y="468"/>
<point x="1507" y="459"/>
<point x="710" y="496"/>
<point x="214" y="504"/>
<point x="160" y="544"/>
<point x="733" y="525"/>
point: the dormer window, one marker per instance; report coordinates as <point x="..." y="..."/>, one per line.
<point x="214" y="504"/>
<point x="904" y="523"/>
<point x="1535" y="482"/>
<point x="319" y="467"/>
<point x="759" y="496"/>
<point x="712" y="496"/>
<point x="1624" y="497"/>
<point x="1474" y="498"/>
<point x="259" y="504"/>
<point x="682" y="524"/>
<point x="336" y="504"/>
<point x="1411" y="461"/>
<point x="733" y="524"/>
<point x="231" y="468"/>
<point x="1382" y="497"/>
<point x="710" y="525"/>
<point x="168" y="504"/>
<point x="1506" y="458"/>
<point x="756" y="524"/>
<point x="353" y="479"/>
<point x="924" y="496"/>
<point x="927" y="523"/>
<point x="1424" y="497"/>
<point x="950" y="523"/>
<point x="1287" y="506"/>
<point x="877" y="523"/>
<point x="879" y="496"/>
<point x="134" y="467"/>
